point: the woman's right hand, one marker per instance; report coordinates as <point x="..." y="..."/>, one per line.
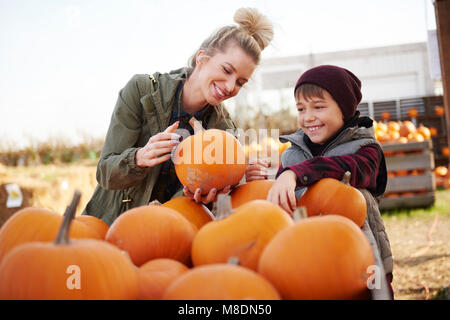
<point x="158" y="148"/>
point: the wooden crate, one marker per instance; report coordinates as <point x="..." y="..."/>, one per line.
<point x="414" y="184"/>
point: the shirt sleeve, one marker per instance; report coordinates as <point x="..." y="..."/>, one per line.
<point x="363" y="165"/>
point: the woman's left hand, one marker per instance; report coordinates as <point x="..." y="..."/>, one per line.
<point x="210" y="197"/>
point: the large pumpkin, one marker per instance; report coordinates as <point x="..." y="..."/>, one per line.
<point x="318" y="258"/>
<point x="37" y="224"/>
<point x="221" y="282"/>
<point x="209" y="159"/>
<point x="243" y="234"/>
<point x="61" y="270"/>
<point x="196" y="213"/>
<point x="156" y="275"/>
<point x="253" y="190"/>
<point x="150" y="232"/>
<point x="330" y="196"/>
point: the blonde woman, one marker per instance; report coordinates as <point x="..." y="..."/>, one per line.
<point x="133" y="169"/>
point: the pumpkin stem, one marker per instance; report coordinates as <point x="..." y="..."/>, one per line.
<point x="224" y="208"/>
<point x="69" y="215"/>
<point x="233" y="260"/>
<point x="196" y="125"/>
<point x="346" y="178"/>
<point x="155" y="203"/>
<point x="299" y="214"/>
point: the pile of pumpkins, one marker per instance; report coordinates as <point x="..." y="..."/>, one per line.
<point x="402" y="132"/>
<point x="250" y="249"/>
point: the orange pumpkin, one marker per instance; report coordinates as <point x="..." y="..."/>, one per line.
<point x="150" y="232"/>
<point x="253" y="190"/>
<point x="393" y="126"/>
<point x="331" y="196"/>
<point x="424" y="131"/>
<point x="433" y="132"/>
<point x="412" y="112"/>
<point x="243" y="234"/>
<point x="445" y="151"/>
<point x="94" y="223"/>
<point x="439" y="110"/>
<point x="385" y="115"/>
<point x="209" y="159"/>
<point x="37" y="224"/>
<point x="195" y="212"/>
<point x="441" y="171"/>
<point x="156" y="275"/>
<point x="318" y="258"/>
<point x="407" y="127"/>
<point x="221" y="282"/>
<point x="61" y="270"/>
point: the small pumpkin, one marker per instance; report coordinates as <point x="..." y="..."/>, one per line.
<point x="209" y="159"/>
<point x="243" y="234"/>
<point x="67" y="269"/>
<point x="325" y="258"/>
<point x="331" y="196"/>
<point x="94" y="223"/>
<point x="196" y="213"/>
<point x="150" y="232"/>
<point x="221" y="282"/>
<point x="156" y="275"/>
<point x="253" y="190"/>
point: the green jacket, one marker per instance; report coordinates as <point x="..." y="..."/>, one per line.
<point x="143" y="109"/>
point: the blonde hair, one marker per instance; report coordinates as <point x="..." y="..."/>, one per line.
<point x="253" y="33"/>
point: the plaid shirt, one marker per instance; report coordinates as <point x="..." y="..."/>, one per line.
<point x="168" y="183"/>
<point x="364" y="166"/>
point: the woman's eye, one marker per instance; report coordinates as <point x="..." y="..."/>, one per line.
<point x="226" y="70"/>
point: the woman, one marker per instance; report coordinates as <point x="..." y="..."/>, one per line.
<point x="134" y="166"/>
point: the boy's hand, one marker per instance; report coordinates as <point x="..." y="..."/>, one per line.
<point x="282" y="192"/>
<point x="210" y="197"/>
<point x="257" y="169"/>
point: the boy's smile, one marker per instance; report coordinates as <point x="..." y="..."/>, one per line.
<point x="319" y="117"/>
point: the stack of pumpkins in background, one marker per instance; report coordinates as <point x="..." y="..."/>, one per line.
<point x="251" y="248"/>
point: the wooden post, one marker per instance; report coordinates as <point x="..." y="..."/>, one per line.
<point x="442" y="12"/>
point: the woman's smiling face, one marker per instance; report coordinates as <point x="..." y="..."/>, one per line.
<point x="319" y="117"/>
<point x="223" y="75"/>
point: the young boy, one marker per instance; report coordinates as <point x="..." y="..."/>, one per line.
<point x="333" y="139"/>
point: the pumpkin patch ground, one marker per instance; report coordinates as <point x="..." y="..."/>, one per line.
<point x="419" y="238"/>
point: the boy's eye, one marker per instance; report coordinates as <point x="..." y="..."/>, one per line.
<point x="300" y="109"/>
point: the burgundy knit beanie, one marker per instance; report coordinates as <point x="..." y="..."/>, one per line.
<point x="343" y="86"/>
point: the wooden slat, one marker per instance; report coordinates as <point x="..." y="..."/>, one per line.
<point x="423" y="161"/>
<point x="411" y="146"/>
<point x="416" y="201"/>
<point x="411" y="183"/>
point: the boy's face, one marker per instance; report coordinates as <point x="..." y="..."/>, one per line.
<point x="319" y="118"/>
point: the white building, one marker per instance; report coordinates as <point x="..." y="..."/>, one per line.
<point x="393" y="74"/>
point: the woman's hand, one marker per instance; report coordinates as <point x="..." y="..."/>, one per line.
<point x="282" y="192"/>
<point x="158" y="148"/>
<point x="257" y="169"/>
<point x="210" y="197"/>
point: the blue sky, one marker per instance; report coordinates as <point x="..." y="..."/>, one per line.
<point x="63" y="62"/>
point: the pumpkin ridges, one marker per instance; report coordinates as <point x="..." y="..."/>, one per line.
<point x="196" y="213"/>
<point x="156" y="275"/>
<point x="39" y="270"/>
<point x="221" y="282"/>
<point x="329" y="264"/>
<point x="244" y="234"/>
<point x="151" y="232"/>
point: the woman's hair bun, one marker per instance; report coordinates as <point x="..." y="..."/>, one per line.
<point x="255" y="24"/>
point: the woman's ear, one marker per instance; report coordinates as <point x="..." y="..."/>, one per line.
<point x="201" y="54"/>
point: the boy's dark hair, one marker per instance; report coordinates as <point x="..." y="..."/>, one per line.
<point x="308" y="91"/>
